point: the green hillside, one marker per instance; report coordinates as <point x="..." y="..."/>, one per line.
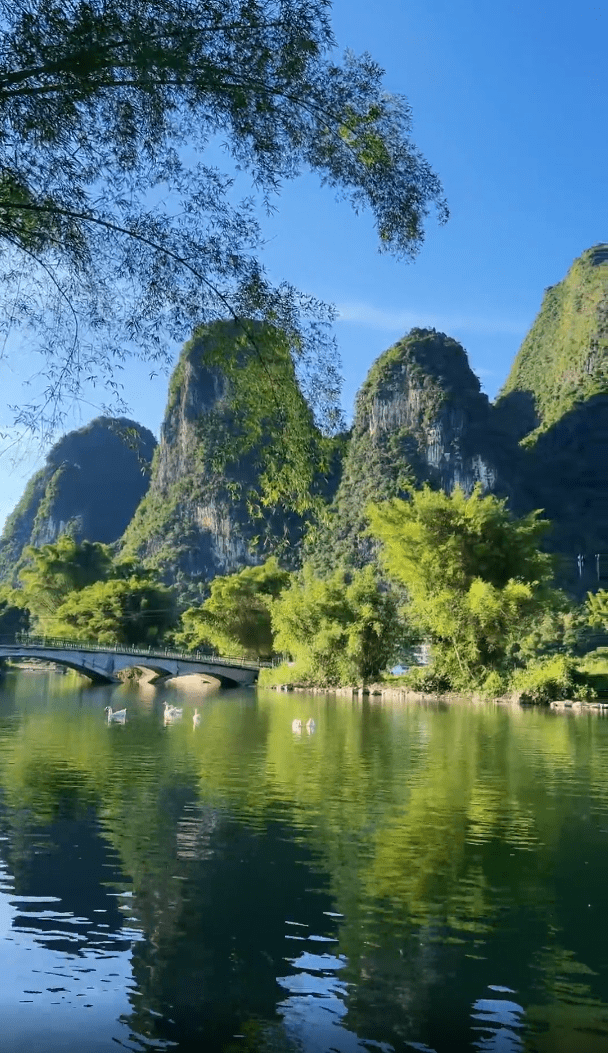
<point x="563" y="360"/>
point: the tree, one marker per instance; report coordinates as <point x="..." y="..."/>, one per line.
<point x="476" y="579"/>
<point x="57" y="570"/>
<point x="14" y="616"/>
<point x="236" y="616"/>
<point x="340" y="630"/>
<point x="118" y="611"/>
<point x="118" y="236"/>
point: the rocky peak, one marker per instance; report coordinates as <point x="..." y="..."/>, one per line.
<point x="91" y="484"/>
<point x="197" y="519"/>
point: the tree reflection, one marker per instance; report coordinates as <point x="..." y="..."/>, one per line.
<point x="446" y="840"/>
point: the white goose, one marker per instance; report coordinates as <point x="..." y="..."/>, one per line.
<point x="310" y="726"/>
<point x="196" y="719"/>
<point x="172" y="713"/>
<point x="117" y="716"/>
<point x="296" y="726"/>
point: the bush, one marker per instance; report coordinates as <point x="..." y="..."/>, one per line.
<point x="427" y="678"/>
<point x="551" y="679"/>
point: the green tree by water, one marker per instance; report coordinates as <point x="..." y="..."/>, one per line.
<point x="236" y="616"/>
<point x="76" y="590"/>
<point x="475" y="577"/>
<point x="131" y="610"/>
<point x="340" y="630"/>
<point x="54" y="571"/>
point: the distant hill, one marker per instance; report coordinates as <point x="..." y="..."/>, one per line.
<point x="555" y="401"/>
<point x="202" y="516"/>
<point x="420" y="416"/>
<point x="93" y="480"/>
<point x="563" y="360"/>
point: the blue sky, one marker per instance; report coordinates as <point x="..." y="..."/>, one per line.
<point x="509" y="104"/>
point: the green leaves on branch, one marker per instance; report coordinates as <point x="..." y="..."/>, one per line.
<point x="120" y="237"/>
<point x="118" y="611"/>
<point x="54" y="571"/>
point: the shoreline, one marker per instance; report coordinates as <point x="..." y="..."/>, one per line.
<point x="381" y="693"/>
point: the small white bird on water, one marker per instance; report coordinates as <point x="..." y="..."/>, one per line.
<point x="196" y="719"/>
<point x="310" y="726"/>
<point x="296" y="726"/>
<point x="172" y="713"/>
<point x="116" y="716"/>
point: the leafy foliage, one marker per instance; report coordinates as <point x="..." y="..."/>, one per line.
<point x="475" y="578"/>
<point x="78" y="591"/>
<point x="118" y="234"/>
<point x="131" y="610"/>
<point x="597" y="609"/>
<point x="56" y="570"/>
<point x="564" y="357"/>
<point x="550" y="678"/>
<point x="14" y="616"/>
<point x="341" y="630"/>
<point x="236" y="616"/>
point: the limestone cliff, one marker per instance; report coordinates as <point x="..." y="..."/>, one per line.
<point x="202" y="515"/>
<point x="563" y="360"/>
<point x="420" y="417"/>
<point x="555" y="401"/>
<point x="91" y="484"/>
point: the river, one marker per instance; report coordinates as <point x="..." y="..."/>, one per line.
<point x="402" y="877"/>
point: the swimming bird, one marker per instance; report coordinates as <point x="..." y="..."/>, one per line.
<point x="296" y="725"/>
<point x="172" y="713"/>
<point x="310" y="726"/>
<point x="116" y="716"/>
<point x="196" y="719"/>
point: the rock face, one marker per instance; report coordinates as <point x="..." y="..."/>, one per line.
<point x="563" y="360"/>
<point x="555" y="401"/>
<point x="196" y="520"/>
<point x="91" y="484"/>
<point x="420" y="417"/>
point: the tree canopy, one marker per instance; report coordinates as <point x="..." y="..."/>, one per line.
<point x="131" y="610"/>
<point x="236" y="616"/>
<point x="475" y="577"/>
<point x="340" y="630"/>
<point x="55" y="571"/>
<point x="119" y="235"/>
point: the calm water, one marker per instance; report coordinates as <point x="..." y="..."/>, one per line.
<point x="403" y="878"/>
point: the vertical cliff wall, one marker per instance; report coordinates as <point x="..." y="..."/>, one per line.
<point x="419" y="417"/>
<point x="555" y="401"/>
<point x="202" y="516"/>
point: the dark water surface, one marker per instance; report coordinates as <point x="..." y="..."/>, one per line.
<point x="402" y="878"/>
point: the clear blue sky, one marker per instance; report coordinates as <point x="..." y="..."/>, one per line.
<point x="510" y="103"/>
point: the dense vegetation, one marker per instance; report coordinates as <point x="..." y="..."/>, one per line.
<point x="461" y="574"/>
<point x="563" y="359"/>
<point x="79" y="592"/>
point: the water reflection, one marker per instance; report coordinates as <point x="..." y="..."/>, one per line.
<point x="415" y="877"/>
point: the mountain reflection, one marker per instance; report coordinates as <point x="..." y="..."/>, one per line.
<point x="407" y="877"/>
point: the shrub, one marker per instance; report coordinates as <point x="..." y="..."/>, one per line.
<point x="551" y="679"/>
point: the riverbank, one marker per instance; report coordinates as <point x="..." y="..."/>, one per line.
<point x="382" y="692"/>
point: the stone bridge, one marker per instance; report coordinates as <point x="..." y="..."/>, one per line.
<point x="101" y="664"/>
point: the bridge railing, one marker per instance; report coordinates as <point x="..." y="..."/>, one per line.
<point x="55" y="642"/>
